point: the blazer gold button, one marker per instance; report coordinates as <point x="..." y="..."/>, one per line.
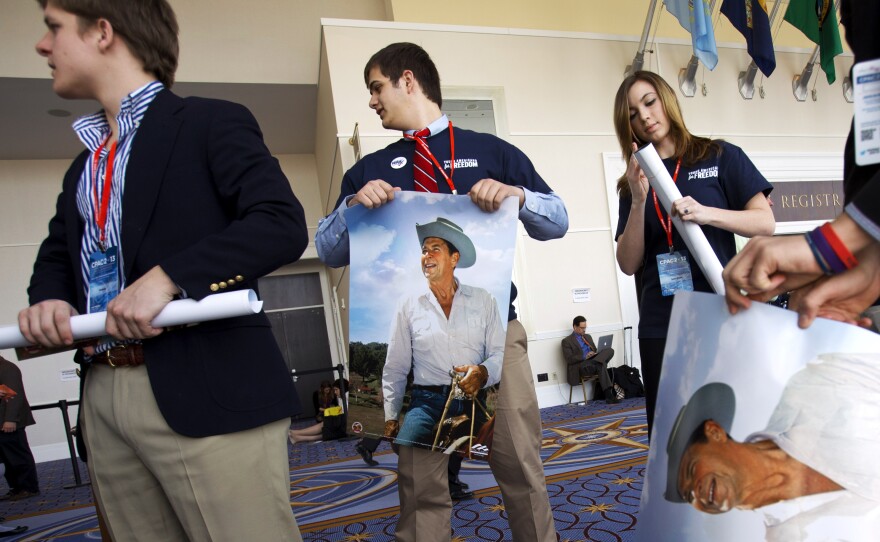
<point x="214" y="287"/>
<point x="223" y="285"/>
<point x="239" y="278"/>
<point x="231" y="282"/>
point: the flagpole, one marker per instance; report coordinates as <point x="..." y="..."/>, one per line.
<point x="746" y="79"/>
<point x="846" y="85"/>
<point x="639" y="59"/>
<point x="687" y="75"/>
<point x="800" y="82"/>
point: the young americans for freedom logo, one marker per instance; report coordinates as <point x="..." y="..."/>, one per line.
<point x="398" y="162"/>
<point x="461" y="163"/>
<point x="705" y="173"/>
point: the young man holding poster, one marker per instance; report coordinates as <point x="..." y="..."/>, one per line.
<point x="433" y="156"/>
<point x="186" y="429"/>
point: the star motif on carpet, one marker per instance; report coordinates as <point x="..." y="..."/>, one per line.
<point x="598" y="508"/>
<point x="458" y="539"/>
<point x="305" y="496"/>
<point x="495" y="508"/>
<point x="357" y="537"/>
<point x="612" y="434"/>
<point x="623" y="481"/>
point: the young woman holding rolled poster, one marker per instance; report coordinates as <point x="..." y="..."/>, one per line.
<point x="721" y="189"/>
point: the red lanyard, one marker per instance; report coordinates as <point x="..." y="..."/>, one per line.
<point x="427" y="152"/>
<point x="666" y="225"/>
<point x="101" y="210"/>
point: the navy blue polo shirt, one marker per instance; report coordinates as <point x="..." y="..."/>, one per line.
<point x="726" y="181"/>
<point x="477" y="156"/>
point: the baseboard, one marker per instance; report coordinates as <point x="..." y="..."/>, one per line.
<point x="555" y="395"/>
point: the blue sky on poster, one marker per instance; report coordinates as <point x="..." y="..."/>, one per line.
<point x="385" y="255"/>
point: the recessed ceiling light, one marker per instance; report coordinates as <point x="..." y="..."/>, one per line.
<point x="59" y="112"/>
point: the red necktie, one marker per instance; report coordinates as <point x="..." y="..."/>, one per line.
<point x="423" y="169"/>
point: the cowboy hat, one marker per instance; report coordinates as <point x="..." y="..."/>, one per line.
<point x="448" y="230"/>
<point x="714" y="401"/>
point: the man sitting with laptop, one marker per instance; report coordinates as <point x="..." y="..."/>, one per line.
<point x="584" y="359"/>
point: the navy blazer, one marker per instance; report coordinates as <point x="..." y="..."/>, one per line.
<point x="206" y="201"/>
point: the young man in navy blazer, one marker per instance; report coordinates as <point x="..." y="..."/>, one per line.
<point x="186" y="429"/>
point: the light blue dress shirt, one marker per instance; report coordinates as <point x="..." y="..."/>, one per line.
<point x="424" y="340"/>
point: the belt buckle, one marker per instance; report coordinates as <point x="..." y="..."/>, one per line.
<point x="109" y="355"/>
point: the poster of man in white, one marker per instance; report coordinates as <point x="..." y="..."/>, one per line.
<point x="765" y="431"/>
<point x="430" y="279"/>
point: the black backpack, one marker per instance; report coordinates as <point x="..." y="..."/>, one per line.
<point x="334" y="427"/>
<point x="630" y="380"/>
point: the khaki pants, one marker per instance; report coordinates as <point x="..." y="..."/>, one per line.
<point x="515" y="459"/>
<point x="154" y="484"/>
<point x="516" y="445"/>
<point x="425" y="504"/>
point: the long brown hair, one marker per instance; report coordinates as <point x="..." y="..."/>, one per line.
<point x="326" y="396"/>
<point x="688" y="147"/>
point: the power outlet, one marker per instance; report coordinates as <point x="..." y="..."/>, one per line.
<point x="553" y="376"/>
<point x="542" y="377"/>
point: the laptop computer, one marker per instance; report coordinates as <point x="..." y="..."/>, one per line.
<point x="604" y="342"/>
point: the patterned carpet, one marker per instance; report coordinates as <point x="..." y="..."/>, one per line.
<point x="594" y="459"/>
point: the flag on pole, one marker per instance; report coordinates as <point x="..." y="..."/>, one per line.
<point x="751" y="19"/>
<point x="817" y="19"/>
<point x="695" y="16"/>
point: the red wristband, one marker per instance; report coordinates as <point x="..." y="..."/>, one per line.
<point x="840" y="249"/>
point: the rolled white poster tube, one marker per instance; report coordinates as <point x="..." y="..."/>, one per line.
<point x="175" y="313"/>
<point x="693" y="235"/>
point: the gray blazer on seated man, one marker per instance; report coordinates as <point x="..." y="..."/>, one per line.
<point x="582" y="359"/>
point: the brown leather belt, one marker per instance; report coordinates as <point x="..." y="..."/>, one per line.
<point x="125" y="355"/>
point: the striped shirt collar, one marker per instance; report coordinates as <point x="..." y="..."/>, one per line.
<point x="93" y="129"/>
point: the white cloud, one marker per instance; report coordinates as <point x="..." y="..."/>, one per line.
<point x="380" y="238"/>
<point x="423" y="198"/>
<point x="382" y="282"/>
